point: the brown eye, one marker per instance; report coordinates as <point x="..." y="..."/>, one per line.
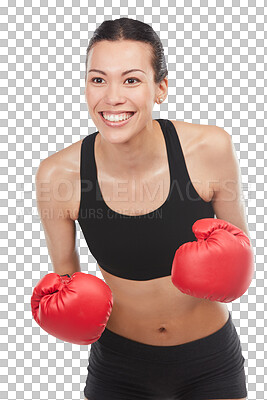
<point x="128" y="79"/>
<point x="132" y="79"/>
<point x="95" y="78"/>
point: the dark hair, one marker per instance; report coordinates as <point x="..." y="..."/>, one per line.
<point x="131" y="29"/>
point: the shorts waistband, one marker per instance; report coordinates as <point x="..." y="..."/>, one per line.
<point x="210" y="344"/>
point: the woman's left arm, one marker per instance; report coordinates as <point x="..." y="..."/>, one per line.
<point x="200" y="270"/>
<point x="228" y="200"/>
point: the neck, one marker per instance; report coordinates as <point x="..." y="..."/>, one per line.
<point x="133" y="157"/>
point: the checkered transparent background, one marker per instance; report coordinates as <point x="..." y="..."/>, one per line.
<point x="216" y="60"/>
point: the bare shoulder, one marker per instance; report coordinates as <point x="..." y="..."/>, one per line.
<point x="210" y="138"/>
<point x="216" y="136"/>
<point x="64" y="160"/>
<point x="207" y="150"/>
<point x="217" y="145"/>
<point x="190" y="135"/>
<point x="58" y="176"/>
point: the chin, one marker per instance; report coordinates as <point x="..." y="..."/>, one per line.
<point x="116" y="138"/>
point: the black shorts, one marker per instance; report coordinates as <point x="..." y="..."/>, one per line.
<point x="208" y="368"/>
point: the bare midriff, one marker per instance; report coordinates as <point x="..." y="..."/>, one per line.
<point x="155" y="312"/>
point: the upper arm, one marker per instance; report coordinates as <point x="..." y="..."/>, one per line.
<point x="228" y="200"/>
<point x="59" y="228"/>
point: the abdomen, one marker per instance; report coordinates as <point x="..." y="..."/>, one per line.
<point x="155" y="312"/>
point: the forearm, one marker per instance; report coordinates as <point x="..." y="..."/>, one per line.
<point x="70" y="266"/>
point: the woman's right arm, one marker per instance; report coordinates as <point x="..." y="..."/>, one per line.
<point x="74" y="309"/>
<point x="54" y="209"/>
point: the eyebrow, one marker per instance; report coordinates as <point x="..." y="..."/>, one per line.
<point x="123" y="73"/>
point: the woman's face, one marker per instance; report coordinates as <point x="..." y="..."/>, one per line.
<point x="113" y="90"/>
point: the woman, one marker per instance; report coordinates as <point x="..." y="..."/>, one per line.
<point x="139" y="185"/>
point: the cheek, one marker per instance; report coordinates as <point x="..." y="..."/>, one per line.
<point x="88" y="91"/>
<point x="143" y="95"/>
<point x="92" y="96"/>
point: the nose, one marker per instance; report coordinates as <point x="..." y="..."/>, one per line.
<point x="114" y="94"/>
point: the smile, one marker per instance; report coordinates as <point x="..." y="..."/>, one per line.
<point x="117" y="119"/>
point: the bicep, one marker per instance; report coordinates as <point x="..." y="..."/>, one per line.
<point x="59" y="228"/>
<point x="228" y="199"/>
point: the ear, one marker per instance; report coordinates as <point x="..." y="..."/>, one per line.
<point x="162" y="91"/>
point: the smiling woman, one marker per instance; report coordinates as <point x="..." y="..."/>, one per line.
<point x="116" y="91"/>
<point x="139" y="187"/>
<point x="125" y="75"/>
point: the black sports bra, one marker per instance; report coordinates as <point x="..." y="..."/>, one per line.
<point x="140" y="247"/>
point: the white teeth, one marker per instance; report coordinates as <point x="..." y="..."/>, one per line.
<point x="117" y="117"/>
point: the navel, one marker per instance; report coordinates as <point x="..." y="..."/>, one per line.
<point x="162" y="329"/>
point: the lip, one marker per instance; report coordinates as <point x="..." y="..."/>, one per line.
<point x="116" y="112"/>
<point x="116" y="124"/>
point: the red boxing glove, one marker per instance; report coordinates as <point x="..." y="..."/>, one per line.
<point x="219" y="266"/>
<point x="75" y="309"/>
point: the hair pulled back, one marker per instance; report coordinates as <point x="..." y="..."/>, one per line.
<point x="131" y="29"/>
